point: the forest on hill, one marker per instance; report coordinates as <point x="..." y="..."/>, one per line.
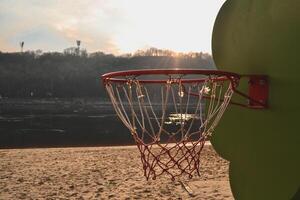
<point x="77" y="73"/>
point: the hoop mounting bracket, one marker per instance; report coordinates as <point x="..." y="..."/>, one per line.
<point x="258" y="92"/>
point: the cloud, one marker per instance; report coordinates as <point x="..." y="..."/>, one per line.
<point x="46" y="24"/>
<point x="115" y="26"/>
<point x="39" y="37"/>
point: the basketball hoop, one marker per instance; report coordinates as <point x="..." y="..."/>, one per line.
<point x="170" y="117"/>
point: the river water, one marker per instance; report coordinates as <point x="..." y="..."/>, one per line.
<point x="63" y="123"/>
<point x="75" y="128"/>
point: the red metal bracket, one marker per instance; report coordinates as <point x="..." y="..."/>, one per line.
<point x="258" y="92"/>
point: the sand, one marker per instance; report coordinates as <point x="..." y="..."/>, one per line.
<point x="102" y="173"/>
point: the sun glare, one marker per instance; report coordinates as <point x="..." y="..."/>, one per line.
<point x="177" y="25"/>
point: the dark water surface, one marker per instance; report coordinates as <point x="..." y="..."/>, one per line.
<point x="28" y="123"/>
<point x="70" y="128"/>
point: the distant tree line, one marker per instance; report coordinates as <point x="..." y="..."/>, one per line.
<point x="69" y="74"/>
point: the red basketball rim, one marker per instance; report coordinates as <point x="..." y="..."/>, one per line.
<point x="123" y="76"/>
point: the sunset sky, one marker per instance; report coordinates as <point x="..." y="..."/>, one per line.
<point x="113" y="26"/>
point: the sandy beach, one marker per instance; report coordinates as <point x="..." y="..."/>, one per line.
<point x="102" y="173"/>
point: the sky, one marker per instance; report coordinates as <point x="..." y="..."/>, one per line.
<point x="112" y="26"/>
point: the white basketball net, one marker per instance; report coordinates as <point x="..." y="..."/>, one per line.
<point x="176" y="117"/>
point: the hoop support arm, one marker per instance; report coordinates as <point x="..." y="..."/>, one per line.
<point x="258" y="92"/>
